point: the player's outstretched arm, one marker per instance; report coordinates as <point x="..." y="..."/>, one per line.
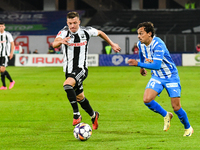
<point x="58" y="41"/>
<point x="114" y="46"/>
<point x="155" y="65"/>
<point x="133" y="62"/>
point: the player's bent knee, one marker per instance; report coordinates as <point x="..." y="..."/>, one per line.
<point x="67" y="87"/>
<point x="80" y="97"/>
<point x="3" y="69"/>
<point x="176" y="107"/>
<point x="65" y="83"/>
<point x="147" y="100"/>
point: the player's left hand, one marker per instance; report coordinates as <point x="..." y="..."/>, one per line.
<point x="116" y="47"/>
<point x="143" y="72"/>
<point x="11" y="56"/>
<point x="132" y="62"/>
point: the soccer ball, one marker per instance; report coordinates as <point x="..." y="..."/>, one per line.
<point x="82" y="131"/>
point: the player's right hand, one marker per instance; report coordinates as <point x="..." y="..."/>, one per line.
<point x="116" y="47"/>
<point x="66" y="41"/>
<point x="132" y="62"/>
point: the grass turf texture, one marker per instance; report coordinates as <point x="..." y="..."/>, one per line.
<point x="36" y="114"/>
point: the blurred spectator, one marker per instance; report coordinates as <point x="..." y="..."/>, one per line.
<point x="198" y="48"/>
<point x="190" y="5"/>
<point x="135" y="49"/>
<point x="58" y="50"/>
<point x="108" y="49"/>
<point x="51" y="49"/>
<point x="18" y="48"/>
<point x="35" y="52"/>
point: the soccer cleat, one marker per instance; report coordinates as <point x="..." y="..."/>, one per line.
<point x="95" y="121"/>
<point x="77" y="121"/>
<point x="3" y="88"/>
<point x="12" y="84"/>
<point x="188" y="132"/>
<point x="167" y="120"/>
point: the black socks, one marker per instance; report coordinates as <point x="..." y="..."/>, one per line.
<point x="8" y="76"/>
<point x="71" y="95"/>
<point x="3" y="78"/>
<point x="86" y="106"/>
<point x="3" y="74"/>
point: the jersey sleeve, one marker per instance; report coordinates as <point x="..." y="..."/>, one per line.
<point x="153" y="66"/>
<point x="10" y="38"/>
<point x="92" y="31"/>
<point x="62" y="34"/>
<point x="158" y="52"/>
<point x="140" y="53"/>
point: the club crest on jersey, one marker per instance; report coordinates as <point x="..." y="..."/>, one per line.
<point x="71" y="36"/>
<point x="59" y="33"/>
<point x="78" y="44"/>
<point x="82" y="36"/>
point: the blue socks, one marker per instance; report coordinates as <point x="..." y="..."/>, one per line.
<point x="182" y="115"/>
<point x="154" y="106"/>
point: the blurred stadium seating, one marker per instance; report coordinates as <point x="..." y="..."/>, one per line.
<point x="177" y="26"/>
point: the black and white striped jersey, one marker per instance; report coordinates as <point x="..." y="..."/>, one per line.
<point x="5" y="43"/>
<point x="75" y="55"/>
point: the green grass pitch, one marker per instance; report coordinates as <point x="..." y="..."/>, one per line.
<point x="36" y="114"/>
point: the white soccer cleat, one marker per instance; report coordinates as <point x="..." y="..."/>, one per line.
<point x="167" y="120"/>
<point x="188" y="132"/>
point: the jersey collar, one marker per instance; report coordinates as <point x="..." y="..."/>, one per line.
<point x="75" y="32"/>
<point x="2" y="33"/>
<point x="152" y="42"/>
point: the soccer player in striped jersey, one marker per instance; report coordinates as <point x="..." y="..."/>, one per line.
<point x="74" y="40"/>
<point x="155" y="56"/>
<point x="6" y="53"/>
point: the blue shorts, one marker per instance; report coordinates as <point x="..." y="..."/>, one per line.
<point x="172" y="85"/>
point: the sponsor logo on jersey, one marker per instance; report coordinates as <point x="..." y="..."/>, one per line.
<point x="158" y="51"/>
<point x="78" y="44"/>
<point x="148" y="60"/>
<point x="2" y="41"/>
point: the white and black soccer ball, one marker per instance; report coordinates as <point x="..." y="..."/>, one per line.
<point x="82" y="131"/>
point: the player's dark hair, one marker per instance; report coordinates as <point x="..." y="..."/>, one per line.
<point x="148" y="27"/>
<point x="72" y="14"/>
<point x="2" y="23"/>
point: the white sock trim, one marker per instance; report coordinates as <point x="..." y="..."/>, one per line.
<point x="93" y="115"/>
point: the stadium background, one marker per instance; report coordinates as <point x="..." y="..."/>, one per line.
<point x="36" y="114"/>
<point x="34" y="24"/>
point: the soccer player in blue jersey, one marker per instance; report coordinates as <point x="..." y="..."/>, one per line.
<point x="155" y="56"/>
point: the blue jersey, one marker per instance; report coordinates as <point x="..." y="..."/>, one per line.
<point x="157" y="51"/>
